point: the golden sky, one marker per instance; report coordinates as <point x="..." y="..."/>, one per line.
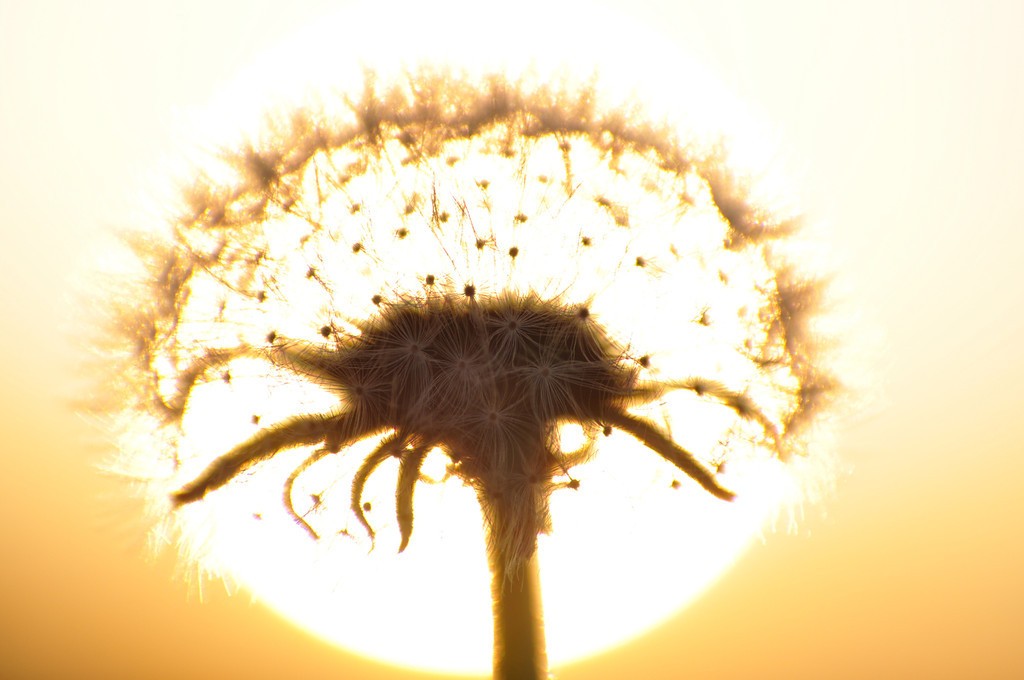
<point x="902" y="121"/>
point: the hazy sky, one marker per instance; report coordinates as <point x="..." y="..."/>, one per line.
<point x="904" y="122"/>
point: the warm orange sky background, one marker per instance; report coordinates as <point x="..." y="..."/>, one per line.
<point x="907" y="119"/>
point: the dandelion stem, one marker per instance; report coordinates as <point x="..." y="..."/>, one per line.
<point x="519" y="648"/>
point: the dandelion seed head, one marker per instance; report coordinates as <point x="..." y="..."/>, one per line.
<point x="468" y="268"/>
<point x="535" y="339"/>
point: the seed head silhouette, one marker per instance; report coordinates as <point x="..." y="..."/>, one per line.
<point x="469" y="265"/>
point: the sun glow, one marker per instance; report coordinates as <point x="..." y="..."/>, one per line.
<point x="637" y="539"/>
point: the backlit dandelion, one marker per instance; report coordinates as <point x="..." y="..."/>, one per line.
<point x="468" y="269"/>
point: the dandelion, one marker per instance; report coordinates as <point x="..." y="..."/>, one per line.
<point x="468" y="266"/>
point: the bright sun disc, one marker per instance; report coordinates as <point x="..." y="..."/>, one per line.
<point x="637" y="539"/>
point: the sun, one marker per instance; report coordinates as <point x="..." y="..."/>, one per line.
<point x="410" y="334"/>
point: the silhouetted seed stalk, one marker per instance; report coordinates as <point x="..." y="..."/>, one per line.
<point x="470" y="265"/>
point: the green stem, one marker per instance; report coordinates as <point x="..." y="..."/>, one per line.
<point x="519" y="649"/>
